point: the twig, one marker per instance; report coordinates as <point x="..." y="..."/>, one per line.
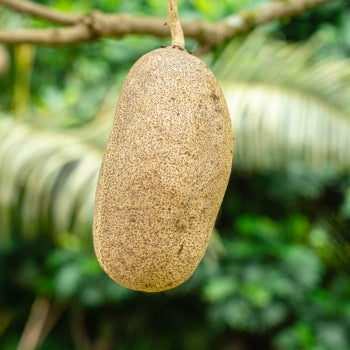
<point x="104" y="340"/>
<point x="98" y="25"/>
<point x="275" y="10"/>
<point x="54" y="314"/>
<point x="35" y="323"/>
<point x="177" y="35"/>
<point x="4" y="60"/>
<point x="6" y="318"/>
<point x="78" y="329"/>
<point x="40" y="11"/>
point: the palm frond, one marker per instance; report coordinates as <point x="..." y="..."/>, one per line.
<point x="287" y="106"/>
<point x="296" y="67"/>
<point x="276" y="128"/>
<point x="47" y="180"/>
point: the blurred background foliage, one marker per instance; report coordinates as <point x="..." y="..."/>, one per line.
<point x="276" y="274"/>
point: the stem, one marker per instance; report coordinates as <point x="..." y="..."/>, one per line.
<point x="35" y="323"/>
<point x="24" y="58"/>
<point x="177" y="35"/>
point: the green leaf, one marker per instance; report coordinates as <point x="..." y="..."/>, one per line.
<point x="68" y="281"/>
<point x="257" y="295"/>
<point x="219" y="288"/>
<point x="303" y="265"/>
<point x="332" y="336"/>
<point x="274" y="314"/>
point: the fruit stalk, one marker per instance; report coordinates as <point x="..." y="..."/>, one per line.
<point x="177" y="35"/>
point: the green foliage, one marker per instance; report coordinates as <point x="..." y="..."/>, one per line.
<point x="288" y="106"/>
<point x="330" y="23"/>
<point x="261" y="277"/>
<point x="276" y="274"/>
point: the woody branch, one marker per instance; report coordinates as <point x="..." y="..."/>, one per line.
<point x="97" y="25"/>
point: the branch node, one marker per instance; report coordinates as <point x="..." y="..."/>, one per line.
<point x="94" y="23"/>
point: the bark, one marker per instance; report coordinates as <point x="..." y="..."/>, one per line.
<point x="99" y="25"/>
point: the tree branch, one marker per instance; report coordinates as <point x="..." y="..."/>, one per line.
<point x="97" y="25"/>
<point x="93" y="27"/>
<point x="4" y="60"/>
<point x="41" y="11"/>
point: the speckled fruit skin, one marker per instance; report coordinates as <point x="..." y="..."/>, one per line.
<point x="164" y="172"/>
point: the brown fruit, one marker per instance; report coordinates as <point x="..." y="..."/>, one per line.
<point x="164" y="172"/>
